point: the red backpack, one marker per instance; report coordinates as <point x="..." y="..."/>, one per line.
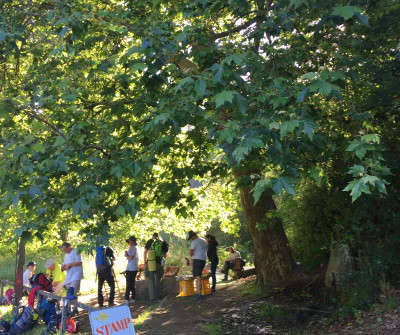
<point x="39" y="280"/>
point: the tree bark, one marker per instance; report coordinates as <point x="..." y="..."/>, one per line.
<point x="272" y="256"/>
<point x="18" y="289"/>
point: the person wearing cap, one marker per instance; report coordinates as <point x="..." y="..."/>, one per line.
<point x="198" y="252"/>
<point x="154" y="277"/>
<point x="132" y="269"/>
<point x="56" y="275"/>
<point x="29" y="272"/>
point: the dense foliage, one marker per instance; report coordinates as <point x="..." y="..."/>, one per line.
<point x="109" y="108"/>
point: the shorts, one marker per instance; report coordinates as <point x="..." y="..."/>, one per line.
<point x="76" y="284"/>
<point x="198" y="266"/>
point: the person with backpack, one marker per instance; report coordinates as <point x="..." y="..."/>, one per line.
<point x="104" y="264"/>
<point x="132" y="269"/>
<point x="73" y="266"/>
<point x="55" y="274"/>
<point x="155" y="251"/>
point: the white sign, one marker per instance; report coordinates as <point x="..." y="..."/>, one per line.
<point x="115" y="320"/>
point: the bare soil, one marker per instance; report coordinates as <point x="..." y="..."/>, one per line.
<point x="294" y="308"/>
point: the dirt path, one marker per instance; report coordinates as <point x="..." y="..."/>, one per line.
<point x="230" y="311"/>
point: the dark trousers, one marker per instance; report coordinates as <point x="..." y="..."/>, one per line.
<point x="109" y="278"/>
<point x="228" y="265"/>
<point x="130" y="284"/>
<point x="213" y="270"/>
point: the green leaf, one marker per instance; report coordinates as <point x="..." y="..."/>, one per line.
<point x="116" y="170"/>
<point x="371" y="138"/>
<point x="298" y="3"/>
<point x="361" y="151"/>
<point x="283" y="183"/>
<point x="239" y="103"/>
<point x="34" y="191"/>
<point x="346" y="12"/>
<point x="237" y="59"/>
<point x="369" y="180"/>
<point x="80" y="204"/>
<point x="353" y="145"/>
<point x="15" y="199"/>
<point x="38" y="148"/>
<point x="308" y="128"/>
<point x="63" y="32"/>
<point x="240" y="152"/>
<point x="200" y="87"/>
<point x="227" y="135"/>
<point x="120" y="212"/>
<point x="288" y="127"/>
<point x="259" y="188"/>
<point x="317" y="174"/>
<point x="310" y="75"/>
<point x="138" y="66"/>
<point x="302" y="95"/>
<point x="363" y="19"/>
<point x="222" y="97"/>
<point x="357" y="187"/>
<point x="356" y="171"/>
<point x="59" y="141"/>
<point x="184" y="82"/>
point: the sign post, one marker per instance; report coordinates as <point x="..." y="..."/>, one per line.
<point x="115" y="320"/>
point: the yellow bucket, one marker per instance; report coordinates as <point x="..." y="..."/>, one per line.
<point x="151" y="260"/>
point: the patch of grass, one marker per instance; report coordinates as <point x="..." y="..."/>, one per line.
<point x="252" y="289"/>
<point x="141" y="319"/>
<point x="390" y="304"/>
<point x="273" y="312"/>
<point x="213" y="329"/>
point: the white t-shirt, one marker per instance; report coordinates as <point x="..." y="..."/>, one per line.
<point x="25" y="277"/>
<point x="133" y="263"/>
<point x="199" y="245"/>
<point x="75" y="272"/>
<point x="233" y="255"/>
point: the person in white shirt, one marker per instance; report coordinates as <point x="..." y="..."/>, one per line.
<point x="198" y="252"/>
<point x="29" y="272"/>
<point x="230" y="262"/>
<point x="73" y="266"/>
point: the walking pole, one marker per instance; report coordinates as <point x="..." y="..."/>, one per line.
<point x="116" y="281"/>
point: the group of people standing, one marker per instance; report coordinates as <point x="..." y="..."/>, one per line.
<point x="70" y="273"/>
<point x="200" y="250"/>
<point x="131" y="254"/>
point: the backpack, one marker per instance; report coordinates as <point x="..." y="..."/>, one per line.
<point x="22" y="321"/>
<point x="39" y="280"/>
<point x="157" y="247"/>
<point x="103" y="262"/>
<point x="49" y="310"/>
<point x="8" y="298"/>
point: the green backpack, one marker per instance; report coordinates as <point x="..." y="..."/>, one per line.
<point x="157" y="247"/>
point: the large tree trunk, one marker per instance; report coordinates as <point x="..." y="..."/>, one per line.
<point x="272" y="255"/>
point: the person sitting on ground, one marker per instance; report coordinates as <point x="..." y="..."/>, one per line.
<point x="56" y="275"/>
<point x="230" y="262"/>
<point x="29" y="272"/>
